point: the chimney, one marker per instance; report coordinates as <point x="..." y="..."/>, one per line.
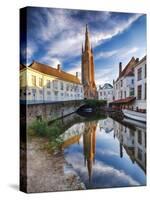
<point x="77" y="74"/>
<point x="58" y="67"/>
<point x="137" y="60"/>
<point x="113" y="81"/>
<point x="120" y="68"/>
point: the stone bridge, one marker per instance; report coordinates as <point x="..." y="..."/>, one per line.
<point x="49" y="111"/>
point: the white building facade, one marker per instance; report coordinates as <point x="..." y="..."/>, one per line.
<point x="106" y="92"/>
<point x="124" y="85"/>
<point x="140" y="84"/>
<point x="40" y="83"/>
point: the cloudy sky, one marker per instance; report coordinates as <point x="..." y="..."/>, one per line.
<point x="56" y="36"/>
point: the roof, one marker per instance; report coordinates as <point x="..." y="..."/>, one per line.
<point x="45" y="69"/>
<point x="107" y="86"/>
<point x="126" y="100"/>
<point x="143" y="59"/>
<point x="22" y="66"/>
<point x="128" y="70"/>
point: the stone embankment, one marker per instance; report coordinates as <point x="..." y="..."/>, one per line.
<point x="47" y="171"/>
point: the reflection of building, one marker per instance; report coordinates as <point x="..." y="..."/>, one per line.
<point x="107" y="125"/>
<point x="140" y="147"/>
<point x="89" y="145"/>
<point x="41" y="83"/>
<point x="106" y="92"/>
<point x="134" y="142"/>
<point x="72" y="135"/>
<point x="88" y="79"/>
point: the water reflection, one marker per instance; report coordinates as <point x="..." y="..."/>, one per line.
<point x="89" y="144"/>
<point x="106" y="153"/>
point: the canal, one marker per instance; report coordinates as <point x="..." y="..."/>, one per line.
<point x="106" y="153"/>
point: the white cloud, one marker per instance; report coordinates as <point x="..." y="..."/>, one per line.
<point x="52" y="61"/>
<point x="109" y="176"/>
<point x="120" y="53"/>
<point x="76" y="67"/>
<point x="116" y="28"/>
<point x="65" y="34"/>
<point x="105" y="75"/>
<point x="106" y="54"/>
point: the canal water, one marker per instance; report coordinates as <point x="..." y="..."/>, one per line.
<point x="107" y="153"/>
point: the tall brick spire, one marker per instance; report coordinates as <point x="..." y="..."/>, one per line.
<point x="87" y="41"/>
<point x="87" y="59"/>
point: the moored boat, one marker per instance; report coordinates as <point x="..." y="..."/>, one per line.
<point x="135" y="123"/>
<point x="138" y="116"/>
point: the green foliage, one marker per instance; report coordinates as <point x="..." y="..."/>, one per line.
<point x="39" y="127"/>
<point x="95" y="103"/>
<point x="42" y="129"/>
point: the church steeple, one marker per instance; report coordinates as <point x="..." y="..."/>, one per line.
<point x="82" y="48"/>
<point x="88" y="80"/>
<point x="91" y="49"/>
<point x="87" y="41"/>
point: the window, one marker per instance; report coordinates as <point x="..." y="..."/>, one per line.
<point x="34" y="91"/>
<point x="145" y="70"/>
<point x="48" y="84"/>
<point x="40" y="82"/>
<point x="104" y="93"/>
<point x="139" y="92"/>
<point x="145" y="91"/>
<point x="40" y="92"/>
<point x="55" y="84"/>
<point x="124" y="94"/>
<point x="139" y="136"/>
<point x="67" y="87"/>
<point x="139" y="154"/>
<point x="71" y="88"/>
<point x="56" y="94"/>
<point x="61" y="85"/>
<point x="131" y="91"/>
<point x="132" y="81"/>
<point x="121" y="83"/>
<point x="139" y="74"/>
<point x="100" y="93"/>
<point x="48" y="93"/>
<point x="33" y="80"/>
<point x="121" y="94"/>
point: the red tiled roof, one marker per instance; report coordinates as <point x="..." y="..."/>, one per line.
<point x="128" y="70"/>
<point x="126" y="100"/>
<point x="54" y="72"/>
<point x="144" y="58"/>
<point x="22" y="66"/>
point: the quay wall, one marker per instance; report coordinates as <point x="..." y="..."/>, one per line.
<point x="49" y="111"/>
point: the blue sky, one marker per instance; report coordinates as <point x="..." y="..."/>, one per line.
<point x="56" y="36"/>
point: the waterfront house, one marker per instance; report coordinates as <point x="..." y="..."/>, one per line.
<point x="140" y="84"/>
<point x="105" y="92"/>
<point x="124" y="85"/>
<point x="42" y="83"/>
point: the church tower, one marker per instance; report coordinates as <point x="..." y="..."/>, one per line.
<point x="88" y="79"/>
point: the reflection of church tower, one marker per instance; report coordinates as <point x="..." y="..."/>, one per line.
<point x="89" y="141"/>
<point x="88" y="80"/>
